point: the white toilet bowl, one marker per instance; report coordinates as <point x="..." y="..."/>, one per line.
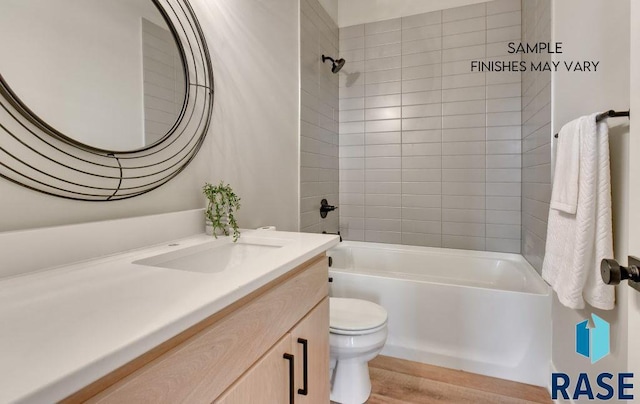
<point x="358" y="331"/>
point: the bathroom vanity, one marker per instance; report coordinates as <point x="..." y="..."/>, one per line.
<point x="155" y="325"/>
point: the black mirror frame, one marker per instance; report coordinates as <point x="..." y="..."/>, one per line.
<point x="37" y="156"/>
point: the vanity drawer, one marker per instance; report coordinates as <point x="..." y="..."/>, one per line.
<point x="199" y="364"/>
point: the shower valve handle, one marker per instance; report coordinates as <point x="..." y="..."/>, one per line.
<point x="613" y="273"/>
<point x="326" y="208"/>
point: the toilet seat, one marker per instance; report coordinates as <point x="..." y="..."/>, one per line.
<point x="355" y="316"/>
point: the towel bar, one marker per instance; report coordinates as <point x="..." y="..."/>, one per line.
<point x="609" y="114"/>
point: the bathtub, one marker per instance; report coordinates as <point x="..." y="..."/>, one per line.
<point x="481" y="312"/>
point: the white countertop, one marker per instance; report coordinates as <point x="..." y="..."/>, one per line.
<point x="65" y="327"/>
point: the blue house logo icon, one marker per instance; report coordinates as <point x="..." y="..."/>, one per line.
<point x="593" y="343"/>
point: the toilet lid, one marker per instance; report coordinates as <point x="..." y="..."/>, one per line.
<point x="355" y="314"/>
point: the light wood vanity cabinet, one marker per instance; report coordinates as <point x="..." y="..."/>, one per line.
<point x="237" y="355"/>
<point x="269" y="380"/>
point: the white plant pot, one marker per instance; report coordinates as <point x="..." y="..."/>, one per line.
<point x="208" y="227"/>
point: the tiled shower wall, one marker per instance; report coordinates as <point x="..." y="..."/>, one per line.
<point x="430" y="154"/>
<point x="536" y="135"/>
<point x="319" y="118"/>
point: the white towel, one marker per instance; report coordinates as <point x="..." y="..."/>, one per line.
<point x="564" y="196"/>
<point x="577" y="242"/>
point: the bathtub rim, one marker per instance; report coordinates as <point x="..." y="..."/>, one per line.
<point x="545" y="289"/>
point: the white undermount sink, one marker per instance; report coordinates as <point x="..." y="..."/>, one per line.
<point x="216" y="256"/>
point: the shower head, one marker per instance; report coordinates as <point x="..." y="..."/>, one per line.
<point x="337" y="64"/>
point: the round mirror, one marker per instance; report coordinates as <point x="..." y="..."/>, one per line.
<point x="107" y="74"/>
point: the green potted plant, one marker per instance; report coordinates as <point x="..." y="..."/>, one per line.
<point x="222" y="204"/>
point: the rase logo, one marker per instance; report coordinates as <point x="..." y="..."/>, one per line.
<point x="593" y="343"/>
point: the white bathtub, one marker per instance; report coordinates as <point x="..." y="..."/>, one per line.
<point x="482" y="312"/>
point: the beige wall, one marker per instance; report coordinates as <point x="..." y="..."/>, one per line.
<point x="352" y="12"/>
<point x="634" y="191"/>
<point x="253" y="140"/>
<point x="595" y="30"/>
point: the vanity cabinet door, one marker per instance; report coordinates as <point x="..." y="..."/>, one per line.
<point x="312" y="332"/>
<point x="267" y="382"/>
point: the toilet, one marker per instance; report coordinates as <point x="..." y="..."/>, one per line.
<point x="358" y="331"/>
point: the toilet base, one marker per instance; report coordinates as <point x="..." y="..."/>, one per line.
<point x="351" y="382"/>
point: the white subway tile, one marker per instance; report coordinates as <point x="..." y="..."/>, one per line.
<point x="465" y="12"/>
<point x="461" y="40"/>
<point x="421" y="201"/>
<point x="392" y="87"/>
<point x="463" y="188"/>
<point x="377" y="52"/>
<point x="463" y="94"/>
<point x="383" y="76"/>
<point x="382" y="26"/>
<point x="422" y="188"/>
<point x="474" y="52"/>
<point x="383" y="138"/>
<point x="504" y="133"/>
<point x="431" y="161"/>
<point x="372" y="65"/>
<point x="352" y="43"/>
<point x="464" y="107"/>
<point x="421" y="123"/>
<point x="463" y="202"/>
<point x="463" y="229"/>
<point x="463" y="215"/>
<point x="503" y="175"/>
<point x="382" y="39"/>
<point x="462" y="242"/>
<point x="502" y="217"/>
<point x="462" y="148"/>
<point x="419" y="20"/>
<point x="503" y="245"/>
<point x="422" y="97"/>
<point x="422" y="149"/>
<point x="383" y="101"/>
<point x="426" y="214"/>
<point x="428" y="84"/>
<point x="417" y="111"/>
<point x="417" y="226"/>
<point x="382" y="237"/>
<point x="422" y="136"/>
<point x="463" y="175"/>
<point x="503" y="34"/>
<point x="463" y="135"/>
<point x="503" y="203"/>
<point x="503" y="20"/>
<point x="503" y="118"/>
<point x="468" y="161"/>
<point x="383" y="113"/>
<point x="504" y="147"/>
<point x="351" y="127"/>
<point x="383" y="126"/>
<point x="426" y="175"/>
<point x="353" y="31"/>
<point x="423" y="45"/>
<point x="351" y="103"/>
<point x="422" y="58"/>
<point x="421" y="72"/>
<point x="503" y="189"/>
<point x="392" y="150"/>
<point x="504" y="161"/>
<point x="507" y="231"/>
<point x="464" y="80"/>
<point x="425" y="240"/>
<point x="383" y="162"/>
<point x="465" y="26"/>
<point x="502" y="6"/>
<point x="420" y="33"/>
